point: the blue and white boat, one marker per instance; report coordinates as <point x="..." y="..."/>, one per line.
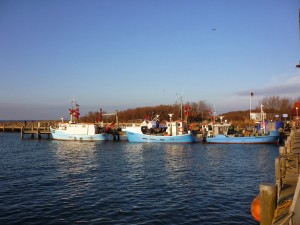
<point x="79" y="132"/>
<point x="218" y="134"/>
<point x="73" y="131"/>
<point x="152" y="131"/>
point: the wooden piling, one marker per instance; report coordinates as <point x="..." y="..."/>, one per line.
<point x="278" y="175"/>
<point x="288" y="145"/>
<point x="282" y="150"/>
<point x="35" y="131"/>
<point x="288" y="204"/>
<point x="22" y="130"/>
<point x="268" y="198"/>
<point x="294" y="210"/>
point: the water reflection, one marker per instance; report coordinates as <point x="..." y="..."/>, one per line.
<point x="176" y="159"/>
<point x="75" y="157"/>
<point x="125" y="183"/>
<point x="141" y="155"/>
<point x="75" y="161"/>
<point x="133" y="154"/>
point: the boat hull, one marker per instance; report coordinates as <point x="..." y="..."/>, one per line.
<point x="118" y="137"/>
<point x="273" y="138"/>
<point x="62" y="135"/>
<point x="138" y="137"/>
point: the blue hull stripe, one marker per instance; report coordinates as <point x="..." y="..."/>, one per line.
<point x="135" y="137"/>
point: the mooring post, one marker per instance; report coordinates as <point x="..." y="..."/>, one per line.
<point x="278" y="175"/>
<point x="294" y="209"/>
<point x="268" y="199"/>
<point x="288" y="145"/>
<point x="282" y="150"/>
<point x="22" y="132"/>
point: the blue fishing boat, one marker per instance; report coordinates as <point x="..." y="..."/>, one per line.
<point x="218" y="134"/>
<point x="152" y="131"/>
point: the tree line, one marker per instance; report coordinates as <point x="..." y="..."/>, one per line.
<point x="196" y="111"/>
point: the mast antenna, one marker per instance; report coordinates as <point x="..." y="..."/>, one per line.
<point x="298" y="65"/>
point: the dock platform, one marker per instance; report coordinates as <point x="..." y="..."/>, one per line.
<point x="35" y="129"/>
<point x="287" y="171"/>
<point x="37" y="132"/>
<point x="40" y="129"/>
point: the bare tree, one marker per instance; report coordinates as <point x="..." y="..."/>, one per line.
<point x="275" y="105"/>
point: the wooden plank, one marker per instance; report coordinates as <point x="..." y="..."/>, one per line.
<point x="288" y="205"/>
<point x="281" y="215"/>
<point x="295" y="207"/>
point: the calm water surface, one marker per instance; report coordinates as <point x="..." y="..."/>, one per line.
<point x="58" y="182"/>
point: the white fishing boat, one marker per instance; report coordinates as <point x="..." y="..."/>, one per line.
<point x="74" y="131"/>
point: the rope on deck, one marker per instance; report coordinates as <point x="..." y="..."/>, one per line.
<point x="280" y="211"/>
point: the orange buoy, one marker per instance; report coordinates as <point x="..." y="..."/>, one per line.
<point x="255" y="209"/>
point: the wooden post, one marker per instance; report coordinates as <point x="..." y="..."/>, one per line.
<point x="268" y="199"/>
<point x="38" y="135"/>
<point x="282" y="150"/>
<point x="294" y="209"/>
<point x="278" y="175"/>
<point x="282" y="167"/>
<point x="288" y="145"/>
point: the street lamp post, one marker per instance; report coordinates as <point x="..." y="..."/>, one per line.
<point x="221" y="117"/>
<point x="297" y="115"/>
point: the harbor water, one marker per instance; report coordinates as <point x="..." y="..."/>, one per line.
<point x="58" y="182"/>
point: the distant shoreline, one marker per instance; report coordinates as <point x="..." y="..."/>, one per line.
<point x="17" y="121"/>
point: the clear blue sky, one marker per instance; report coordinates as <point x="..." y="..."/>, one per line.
<point x="120" y="54"/>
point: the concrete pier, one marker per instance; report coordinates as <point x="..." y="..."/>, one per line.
<point x="287" y="211"/>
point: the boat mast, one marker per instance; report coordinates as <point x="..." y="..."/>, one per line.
<point x="71" y="110"/>
<point x="262" y="119"/>
<point x="298" y="65"/>
<point x="251" y="94"/>
<point x="181" y="105"/>
<point x="74" y="113"/>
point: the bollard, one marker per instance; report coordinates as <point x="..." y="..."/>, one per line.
<point x="282" y="150"/>
<point x="288" y="146"/>
<point x="278" y="175"/>
<point x="294" y="209"/>
<point x="268" y="199"/>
